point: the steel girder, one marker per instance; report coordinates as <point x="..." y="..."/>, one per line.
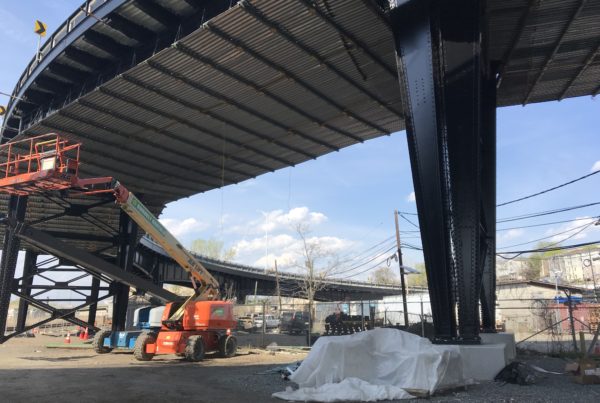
<point x="17" y="206"/>
<point x="128" y="238"/>
<point x="449" y="104"/>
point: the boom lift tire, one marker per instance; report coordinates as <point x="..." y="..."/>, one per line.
<point x="139" y="350"/>
<point x="98" y="342"/>
<point x="194" y="349"/>
<point x="227" y="346"/>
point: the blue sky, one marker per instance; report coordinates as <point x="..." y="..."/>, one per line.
<point x="348" y="197"/>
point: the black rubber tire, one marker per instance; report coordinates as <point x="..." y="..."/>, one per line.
<point x="98" y="342"/>
<point x="227" y="346"/>
<point x="139" y="349"/>
<point x="194" y="349"/>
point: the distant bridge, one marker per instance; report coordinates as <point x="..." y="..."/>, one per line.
<point x="243" y="279"/>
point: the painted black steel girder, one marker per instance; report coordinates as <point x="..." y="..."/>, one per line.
<point x="449" y="106"/>
<point x="85" y="259"/>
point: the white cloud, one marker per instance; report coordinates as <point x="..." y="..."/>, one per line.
<point x="182" y="227"/>
<point x="577" y="229"/>
<point x="510" y="234"/>
<point x="275" y="220"/>
<point x="411" y="197"/>
<point x="286" y="249"/>
<point x="259" y="244"/>
<point x="596" y="166"/>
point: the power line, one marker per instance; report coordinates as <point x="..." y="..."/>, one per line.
<point x="349" y="259"/>
<point x="368" y="261"/>
<point x="544" y="224"/>
<point x="548" y="212"/>
<point x="548" y="190"/>
<point x="584" y="226"/>
<point x="409" y="221"/>
<point x="547" y="249"/>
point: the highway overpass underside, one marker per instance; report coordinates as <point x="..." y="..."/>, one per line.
<point x="177" y="97"/>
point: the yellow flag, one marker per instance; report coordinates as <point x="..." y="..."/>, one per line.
<point x="40" y="28"/>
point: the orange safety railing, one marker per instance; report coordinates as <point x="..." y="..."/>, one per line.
<point x="21" y="161"/>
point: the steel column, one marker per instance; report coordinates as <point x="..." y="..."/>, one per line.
<point x="441" y="64"/>
<point x="17" y="205"/>
<point x="128" y="231"/>
<point x="94" y="299"/>
<point x="488" y="197"/>
<point x="29" y="268"/>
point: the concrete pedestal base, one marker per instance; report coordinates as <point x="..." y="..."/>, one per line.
<point x="483" y="362"/>
<point x="508" y="339"/>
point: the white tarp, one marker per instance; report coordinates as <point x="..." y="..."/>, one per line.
<point x="379" y="357"/>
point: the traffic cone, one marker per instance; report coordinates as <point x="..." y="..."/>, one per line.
<point x="86" y="335"/>
<point x="80" y="333"/>
<point x="68" y="338"/>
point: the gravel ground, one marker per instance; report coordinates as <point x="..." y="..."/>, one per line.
<point x="31" y="372"/>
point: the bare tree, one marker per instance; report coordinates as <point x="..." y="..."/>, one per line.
<point x="318" y="264"/>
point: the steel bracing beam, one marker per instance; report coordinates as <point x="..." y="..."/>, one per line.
<point x="290" y="75"/>
<point x="451" y="130"/>
<point x="29" y="267"/>
<point x="515" y="39"/>
<point x="128" y="230"/>
<point x="87" y="260"/>
<point x="65" y="314"/>
<point x="68" y="73"/>
<point x="129" y="28"/>
<point x="231" y="101"/>
<point x="550" y="57"/>
<point x="588" y="61"/>
<point x="291" y="39"/>
<point x="189" y="105"/>
<point x="158" y="13"/>
<point x="191" y="145"/>
<point x="260" y="90"/>
<point x="17" y="206"/>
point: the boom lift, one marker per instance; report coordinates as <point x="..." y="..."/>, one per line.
<point x="199" y="324"/>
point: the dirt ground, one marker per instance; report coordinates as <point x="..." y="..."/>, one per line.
<point x="31" y="372"/>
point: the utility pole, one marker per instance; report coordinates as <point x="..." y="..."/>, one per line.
<point x="593" y="274"/>
<point x="277" y="285"/>
<point x="402" y="284"/>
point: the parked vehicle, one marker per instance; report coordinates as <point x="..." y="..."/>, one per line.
<point x="145" y="319"/>
<point x="245" y="323"/>
<point x="271" y="321"/>
<point x="285" y="321"/>
<point x="294" y="322"/>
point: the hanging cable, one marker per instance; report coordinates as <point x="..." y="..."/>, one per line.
<point x="549" y="212"/>
<point x="407" y="220"/>
<point x="584" y="226"/>
<point x="544" y="224"/>
<point x="548" y="190"/>
<point x="546" y="249"/>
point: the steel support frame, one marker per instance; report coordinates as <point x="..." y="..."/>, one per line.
<point x="17" y="206"/>
<point x="29" y="267"/>
<point x="449" y="106"/>
<point x="128" y="230"/>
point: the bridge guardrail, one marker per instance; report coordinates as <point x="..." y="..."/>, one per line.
<point x="71" y="23"/>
